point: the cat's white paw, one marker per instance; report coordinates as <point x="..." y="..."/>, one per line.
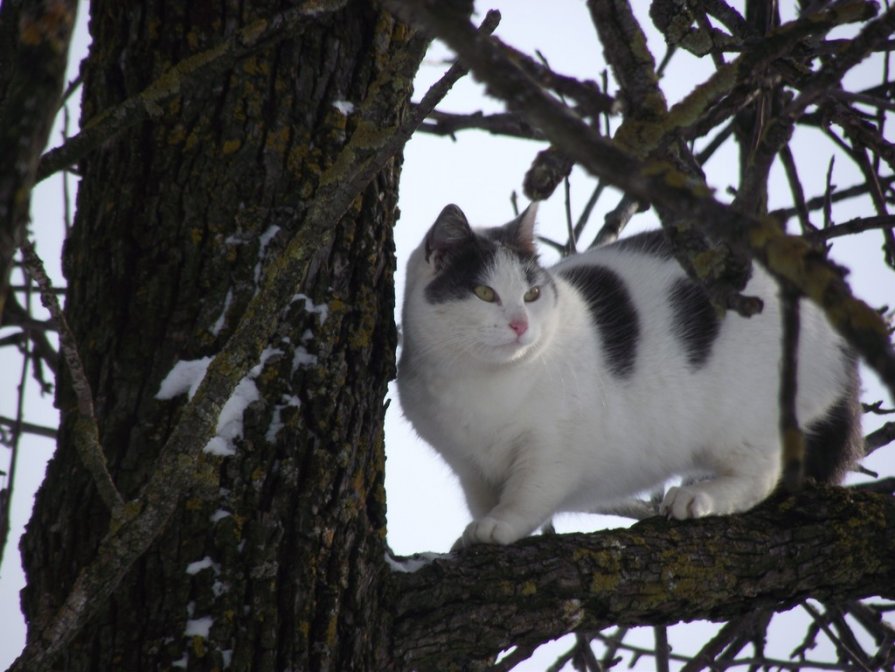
<point x="686" y="502"/>
<point x="488" y="530"/>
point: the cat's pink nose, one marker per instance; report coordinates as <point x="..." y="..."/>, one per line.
<point x="519" y="326"/>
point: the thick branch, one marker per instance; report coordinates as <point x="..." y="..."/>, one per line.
<point x="828" y="544"/>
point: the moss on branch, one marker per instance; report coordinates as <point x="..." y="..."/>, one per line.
<point x="822" y="543"/>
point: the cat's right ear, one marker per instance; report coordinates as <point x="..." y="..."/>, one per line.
<point x="450" y="230"/>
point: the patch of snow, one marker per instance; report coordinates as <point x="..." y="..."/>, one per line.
<point x="263" y="241"/>
<point x="266" y="354"/>
<point x="205" y="563"/>
<point x="346" y="107"/>
<point x="183" y="378"/>
<point x="219" y="323"/>
<point x="322" y="310"/>
<point x="182" y="662"/>
<point x="230" y="421"/>
<point x="199" y="627"/>
<point x="219" y="447"/>
<point x="276" y="422"/>
<point x="413" y="563"/>
<point x="302" y="358"/>
<point x="219" y="515"/>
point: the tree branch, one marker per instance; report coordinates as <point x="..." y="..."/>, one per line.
<point x="657" y="572"/>
<point x="86" y="428"/>
<point x="506" y="124"/>
<point x="196" y="70"/>
<point x="658" y="182"/>
<point x="33" y="57"/>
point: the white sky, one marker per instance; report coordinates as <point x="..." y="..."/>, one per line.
<point x="478" y="172"/>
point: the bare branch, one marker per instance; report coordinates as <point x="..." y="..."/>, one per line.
<point x="197" y="70"/>
<point x="34" y="54"/>
<point x="28" y="427"/>
<point x="822" y="202"/>
<point x="879" y="438"/>
<point x="660" y="183"/>
<point x="505" y="123"/>
<point x="857" y="225"/>
<point x="86" y="428"/>
<point x="581" y="582"/>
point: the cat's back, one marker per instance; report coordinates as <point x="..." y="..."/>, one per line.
<point x="643" y="309"/>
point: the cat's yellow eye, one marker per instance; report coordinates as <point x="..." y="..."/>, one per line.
<point x="485" y="293"/>
<point x="532" y="294"/>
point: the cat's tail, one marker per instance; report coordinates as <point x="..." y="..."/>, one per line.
<point x="834" y="443"/>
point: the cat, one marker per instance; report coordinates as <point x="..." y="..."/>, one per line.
<point x="575" y="387"/>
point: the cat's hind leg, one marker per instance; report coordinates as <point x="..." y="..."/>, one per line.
<point x="745" y="478"/>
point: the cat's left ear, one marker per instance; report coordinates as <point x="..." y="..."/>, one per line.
<point x="450" y="230"/>
<point x="521" y="231"/>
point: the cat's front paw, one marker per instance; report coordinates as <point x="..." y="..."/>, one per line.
<point x="488" y="530"/>
<point x="686" y="502"/>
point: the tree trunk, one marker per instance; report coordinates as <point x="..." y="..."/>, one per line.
<point x="271" y="561"/>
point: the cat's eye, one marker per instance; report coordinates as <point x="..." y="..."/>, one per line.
<point x="532" y="294"/>
<point x="485" y="293"/>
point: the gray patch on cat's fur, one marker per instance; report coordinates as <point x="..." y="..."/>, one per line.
<point x="835" y="442"/>
<point x="695" y="323"/>
<point x="463" y="268"/>
<point x="613" y="314"/>
<point x="462" y="257"/>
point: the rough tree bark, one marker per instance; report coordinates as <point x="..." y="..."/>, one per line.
<point x="176" y="220"/>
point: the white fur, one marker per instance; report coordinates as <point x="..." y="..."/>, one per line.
<point x="541" y="426"/>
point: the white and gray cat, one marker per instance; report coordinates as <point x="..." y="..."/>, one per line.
<point x="576" y="387"/>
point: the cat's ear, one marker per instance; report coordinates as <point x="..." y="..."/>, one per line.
<point x="450" y="230"/>
<point x="521" y="231"/>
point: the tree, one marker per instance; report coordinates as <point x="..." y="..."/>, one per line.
<point x="217" y="498"/>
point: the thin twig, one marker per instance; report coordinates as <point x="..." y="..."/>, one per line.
<point x="616" y="220"/>
<point x="663" y="650"/>
<point x="854" y="657"/>
<point x="28" y="427"/>
<point x="795" y="186"/>
<point x="857" y="225"/>
<point x="86" y="427"/>
<point x="584" y="217"/>
<point x="6" y="495"/>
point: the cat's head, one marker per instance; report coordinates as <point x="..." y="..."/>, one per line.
<point x="481" y="293"/>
